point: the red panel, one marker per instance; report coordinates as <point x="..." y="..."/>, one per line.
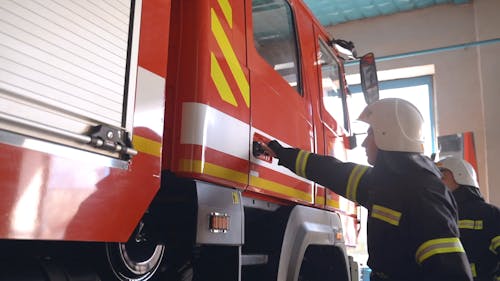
<point x="153" y="44"/>
<point x="49" y="197"/>
<point x="470" y="149"/>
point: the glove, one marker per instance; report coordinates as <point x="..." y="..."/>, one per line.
<point x="276" y="147"/>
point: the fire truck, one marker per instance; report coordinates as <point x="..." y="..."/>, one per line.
<point x="130" y="137"/>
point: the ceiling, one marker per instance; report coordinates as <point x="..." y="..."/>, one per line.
<point x="332" y="12"/>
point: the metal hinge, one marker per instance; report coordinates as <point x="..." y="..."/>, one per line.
<point x="112" y="139"/>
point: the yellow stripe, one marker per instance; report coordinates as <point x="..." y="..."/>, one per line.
<point x="231" y="58"/>
<point x="470" y="224"/>
<point x="386" y="214"/>
<point x="386" y="219"/>
<point x="280" y="188"/>
<point x="319" y="200"/>
<point x="473" y="269"/>
<point x="220" y="81"/>
<point x="495" y="243"/>
<point x="466" y="224"/>
<point x="197" y="166"/>
<point x="301" y="163"/>
<point x="478" y="225"/>
<point x="438" y="246"/>
<point x="147" y="146"/>
<point x="298" y="162"/>
<point x="353" y="182"/>
<point x="333" y="203"/>
<point x="387" y="210"/>
<point x="227" y="10"/>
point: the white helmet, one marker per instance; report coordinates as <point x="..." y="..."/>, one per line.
<point x="462" y="171"/>
<point x="396" y="124"/>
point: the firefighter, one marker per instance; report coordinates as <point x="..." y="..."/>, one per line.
<point x="412" y="216"/>
<point x="479" y="222"/>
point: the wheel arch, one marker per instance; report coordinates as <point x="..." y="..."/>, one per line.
<point x="306" y="227"/>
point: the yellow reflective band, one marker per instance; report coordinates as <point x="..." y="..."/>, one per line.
<point x="495" y="243"/>
<point x="353" y="182"/>
<point x="281" y="189"/>
<point x="470" y="224"/>
<point x="473" y="269"/>
<point x="220" y="81"/>
<point x="438" y="246"/>
<point x="301" y="163"/>
<point x="230" y="56"/>
<point x="147" y="146"/>
<point x="333" y="203"/>
<point x="227" y="10"/>
<point x="202" y="167"/>
<point x="386" y="214"/>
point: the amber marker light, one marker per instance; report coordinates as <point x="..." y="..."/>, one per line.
<point x="218" y="222"/>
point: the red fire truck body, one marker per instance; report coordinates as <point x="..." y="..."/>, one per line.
<point x="135" y="125"/>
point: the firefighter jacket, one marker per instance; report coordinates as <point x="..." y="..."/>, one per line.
<point x="412" y="218"/>
<point x="479" y="224"/>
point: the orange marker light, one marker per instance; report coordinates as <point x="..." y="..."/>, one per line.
<point x="218" y="222"/>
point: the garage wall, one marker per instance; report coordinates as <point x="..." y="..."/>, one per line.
<point x="466" y="81"/>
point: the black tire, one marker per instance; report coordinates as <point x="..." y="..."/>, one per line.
<point x="137" y="260"/>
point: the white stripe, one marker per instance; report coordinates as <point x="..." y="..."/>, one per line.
<point x="149" y="104"/>
<point x="206" y="126"/>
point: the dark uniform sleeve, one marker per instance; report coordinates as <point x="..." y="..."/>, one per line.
<point x="346" y="179"/>
<point x="494" y="236"/>
<point x="434" y="229"/>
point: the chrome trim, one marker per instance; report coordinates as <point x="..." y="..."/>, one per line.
<point x="133" y="65"/>
<point x="60" y="150"/>
<point x="254" y="259"/>
<point x="259" y="204"/>
<point x="211" y="199"/>
<point x="45" y="128"/>
<point x="57" y="132"/>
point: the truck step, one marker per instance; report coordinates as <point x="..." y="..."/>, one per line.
<point x="254" y="259"/>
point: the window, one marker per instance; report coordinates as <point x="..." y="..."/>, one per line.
<point x="333" y="98"/>
<point x="275" y="38"/>
<point x="416" y="90"/>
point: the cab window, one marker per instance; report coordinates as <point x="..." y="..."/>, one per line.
<point x="333" y="97"/>
<point x="275" y="38"/>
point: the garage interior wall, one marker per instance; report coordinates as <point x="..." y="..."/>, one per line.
<point x="466" y="81"/>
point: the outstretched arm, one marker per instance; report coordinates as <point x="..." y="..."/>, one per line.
<point x="346" y="179"/>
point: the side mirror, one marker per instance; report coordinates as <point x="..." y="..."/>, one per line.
<point x="351" y="141"/>
<point x="369" y="80"/>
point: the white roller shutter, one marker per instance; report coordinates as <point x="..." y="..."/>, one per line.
<point x="63" y="62"/>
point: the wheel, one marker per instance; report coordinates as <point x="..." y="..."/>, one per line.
<point x="136" y="260"/>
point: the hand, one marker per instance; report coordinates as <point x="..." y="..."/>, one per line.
<point x="273" y="148"/>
